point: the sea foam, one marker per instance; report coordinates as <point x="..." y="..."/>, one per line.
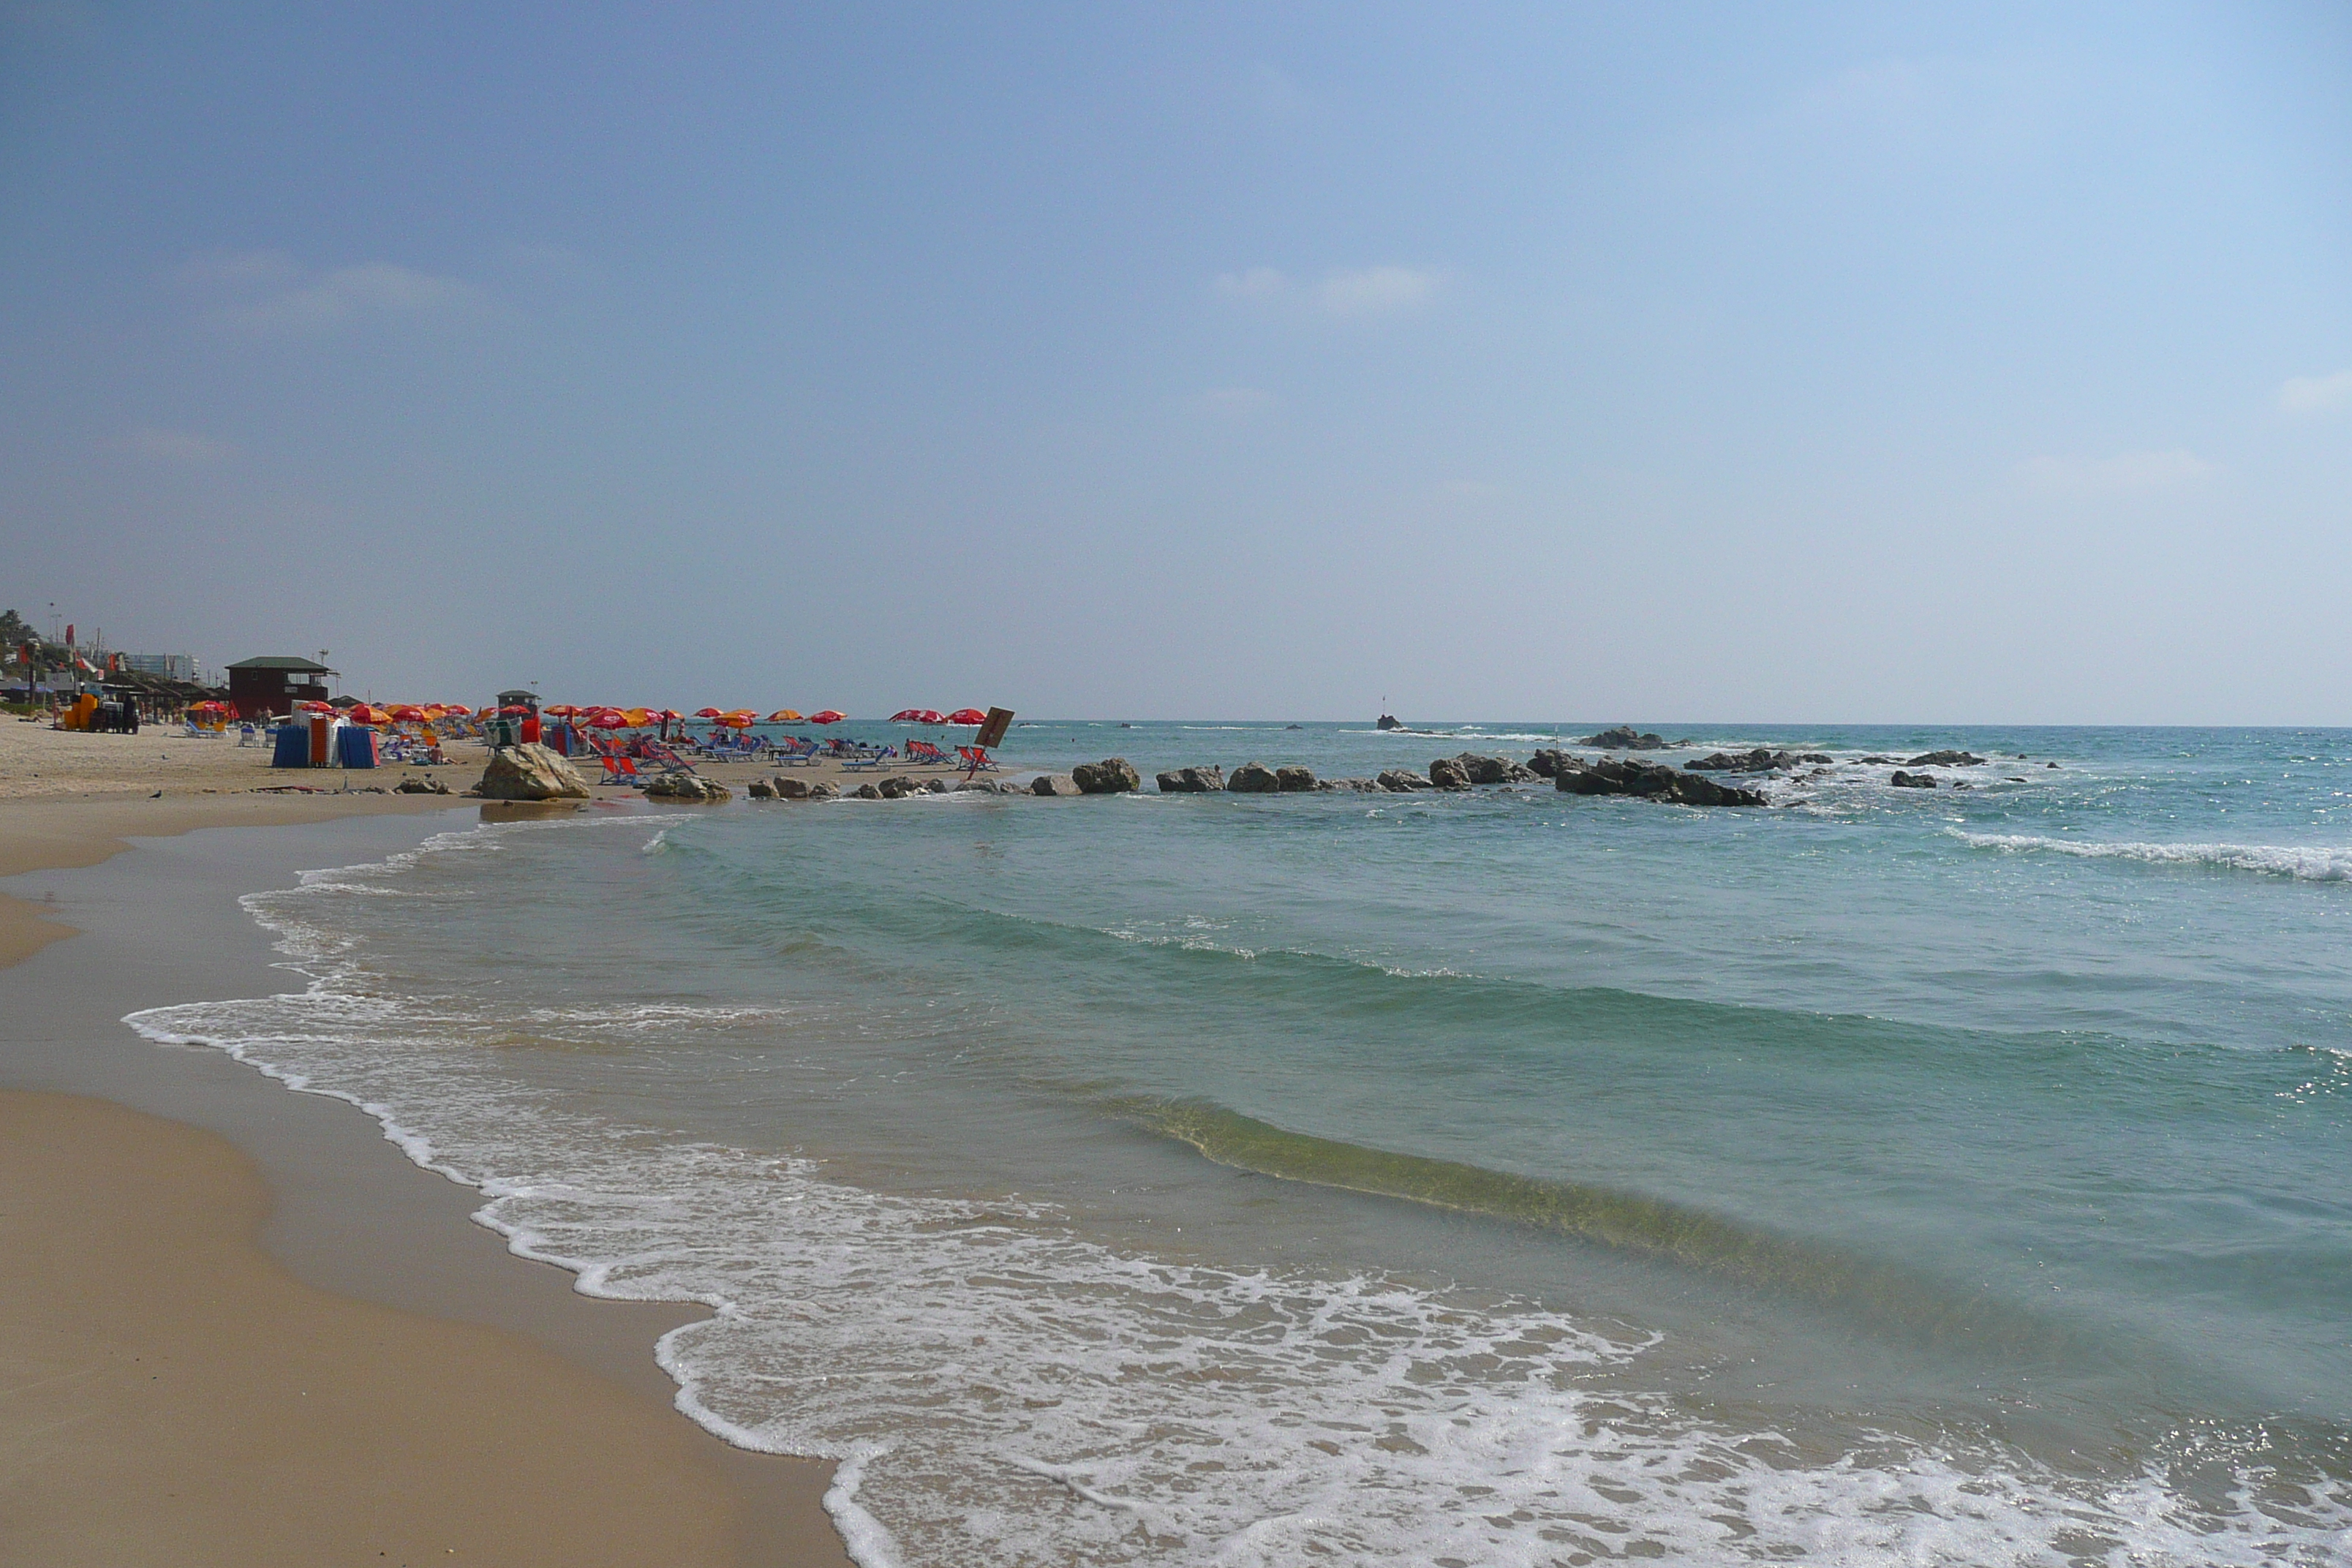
<point x="2302" y="863"/>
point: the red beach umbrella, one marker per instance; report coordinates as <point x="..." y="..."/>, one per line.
<point x="608" y="719"/>
<point x="361" y="714"/>
<point x="906" y="716"/>
<point x="314" y="707"/>
<point x="930" y="716"/>
<point x="967" y="715"/>
<point x="407" y="713"/>
<point x="561" y="710"/>
<point x="513" y="710"/>
<point x="458" y="708"/>
<point x="829" y="716"/>
<point x="708" y="713"/>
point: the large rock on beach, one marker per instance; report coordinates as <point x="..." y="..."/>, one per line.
<point x="1625" y="738"/>
<point x="760" y="789"/>
<point x="1191" y="781"/>
<point x="1945" y="760"/>
<point x="1252" y="778"/>
<point x="1293" y="780"/>
<point x="896" y="788"/>
<point x="824" y="789"/>
<point x="1546" y="763"/>
<point x="529" y="772"/>
<point x="866" y="791"/>
<point x="1445" y="772"/>
<point x="1055" y="784"/>
<point x="421" y="787"/>
<point x="789" y="788"/>
<point x="1352" y="786"/>
<point x="1398" y="781"/>
<point x="1112" y="775"/>
<point x="1652" y="780"/>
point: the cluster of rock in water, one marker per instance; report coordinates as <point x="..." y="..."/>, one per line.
<point x="534" y="773"/>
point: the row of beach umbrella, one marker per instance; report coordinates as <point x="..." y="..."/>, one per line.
<point x="606" y="717"/>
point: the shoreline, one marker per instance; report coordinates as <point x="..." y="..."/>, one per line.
<point x="303" y="1213"/>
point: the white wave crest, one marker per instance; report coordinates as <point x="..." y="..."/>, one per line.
<point x="2303" y="863"/>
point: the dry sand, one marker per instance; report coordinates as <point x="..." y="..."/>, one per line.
<point x="170" y="1392"/>
<point x="38" y="762"/>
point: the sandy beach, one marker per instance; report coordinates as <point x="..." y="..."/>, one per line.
<point x="244" y="1329"/>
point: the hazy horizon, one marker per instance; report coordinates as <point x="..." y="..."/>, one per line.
<point x="1891" y="364"/>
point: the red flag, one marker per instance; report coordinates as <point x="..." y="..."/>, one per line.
<point x="69" y="634"/>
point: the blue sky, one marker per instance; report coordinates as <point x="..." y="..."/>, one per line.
<point x="1935" y="364"/>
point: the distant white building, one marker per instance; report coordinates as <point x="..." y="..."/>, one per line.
<point x="170" y="666"/>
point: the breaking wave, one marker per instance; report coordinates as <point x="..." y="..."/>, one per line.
<point x="2300" y="863"/>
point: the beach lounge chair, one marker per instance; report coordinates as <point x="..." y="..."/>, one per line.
<point x="617" y="770"/>
<point x="870" y="758"/>
<point x="975" y="760"/>
<point x="924" y="752"/>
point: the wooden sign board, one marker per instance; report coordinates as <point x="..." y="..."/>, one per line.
<point x="992" y="734"/>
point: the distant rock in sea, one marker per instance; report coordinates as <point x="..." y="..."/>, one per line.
<point x="1945" y="760"/>
<point x="1252" y="778"/>
<point x="1112" y="775"/>
<point x="1487" y="770"/>
<point x="1756" y="762"/>
<point x="1912" y="781"/>
<point x="1652" y="781"/>
<point x="1625" y="738"/>
<point x="1191" y="781"/>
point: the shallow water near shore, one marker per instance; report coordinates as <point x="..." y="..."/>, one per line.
<point x="1503" y="1177"/>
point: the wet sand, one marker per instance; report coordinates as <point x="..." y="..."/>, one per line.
<point x="325" y="1360"/>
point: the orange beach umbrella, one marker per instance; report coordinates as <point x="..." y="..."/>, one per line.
<point x="784" y="716"/>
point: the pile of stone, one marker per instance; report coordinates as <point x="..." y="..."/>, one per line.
<point x="687" y="789"/>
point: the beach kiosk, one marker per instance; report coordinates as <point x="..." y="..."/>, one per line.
<point x="273" y="683"/>
<point x="524" y="726"/>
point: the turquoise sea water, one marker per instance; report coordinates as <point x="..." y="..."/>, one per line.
<point x="1888" y="1175"/>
